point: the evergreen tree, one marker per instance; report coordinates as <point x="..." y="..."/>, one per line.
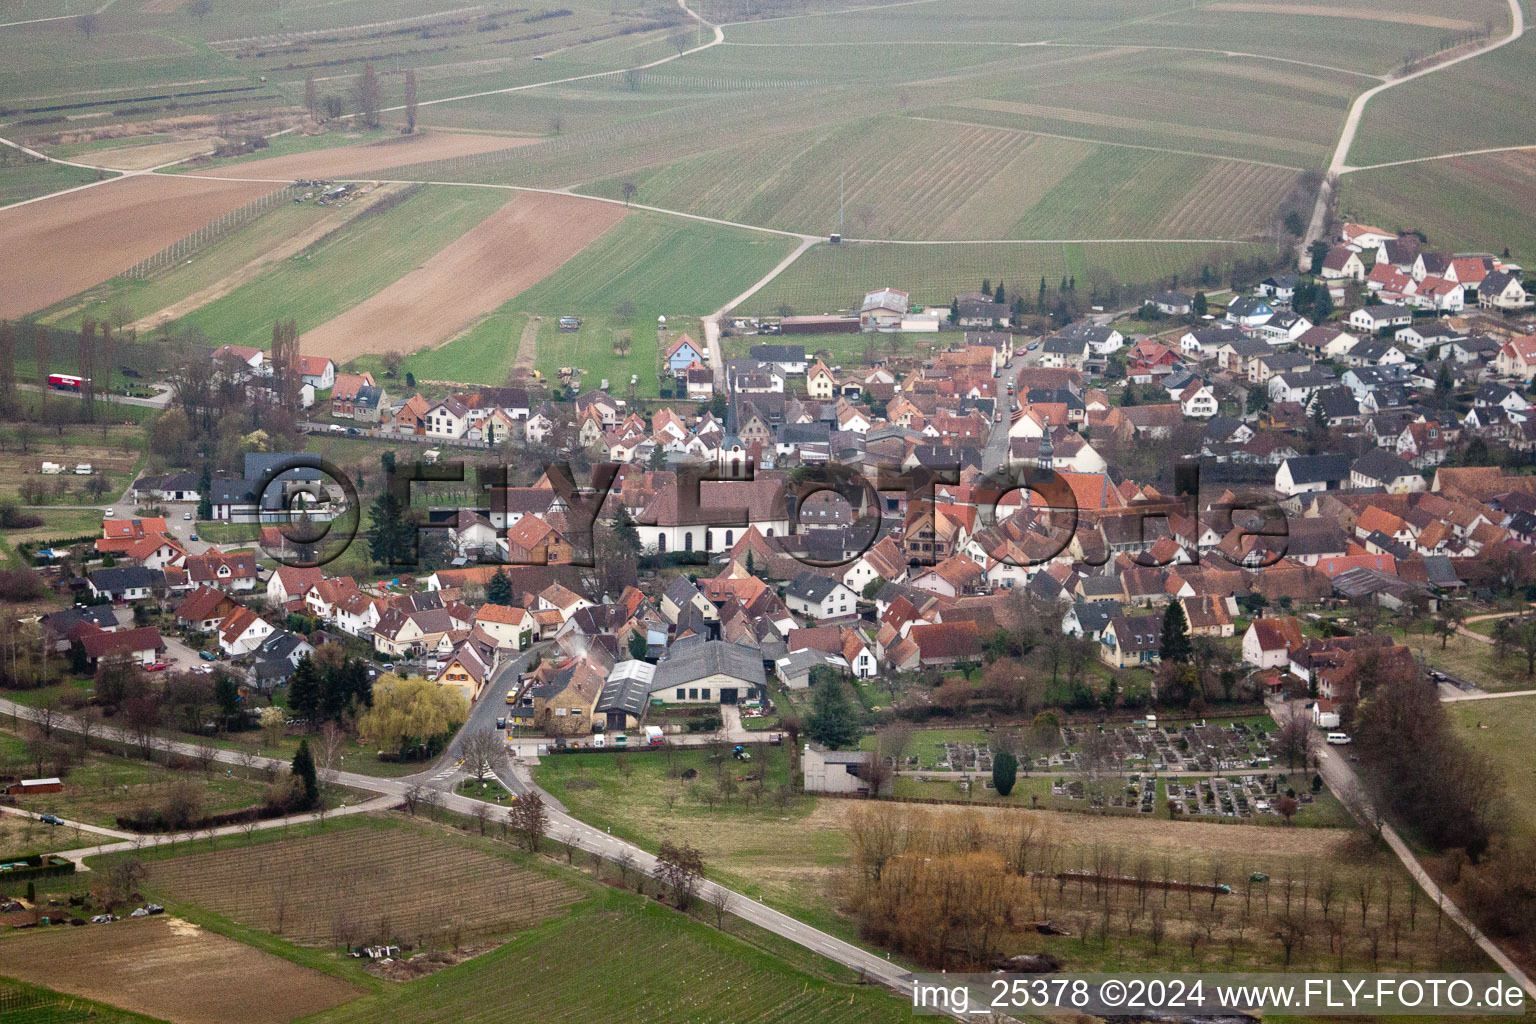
<point x="1198" y="306"/>
<point x="1322" y="305"/>
<point x="205" y="495"/>
<point x="1001" y="297"/>
<point x="624" y="530"/>
<point x="227" y="696"/>
<point x="305" y="689"/>
<point x="638" y="648"/>
<point x="1040" y="306"/>
<point x="499" y="589"/>
<point x="1176" y="646"/>
<point x="1005" y="771"/>
<point x="833" y="722"/>
<point x="986" y="286"/>
<point x="393" y="531"/>
<point x="304" y="771"/>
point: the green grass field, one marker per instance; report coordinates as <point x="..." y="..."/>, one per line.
<point x="830" y="278"/>
<point x="1503" y="729"/>
<point x="592" y="349"/>
<point x="338" y="272"/>
<point x="21" y="178"/>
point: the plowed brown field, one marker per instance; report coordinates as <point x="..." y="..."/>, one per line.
<point x="351" y="161"/>
<point x="50" y="250"/>
<point x="513" y="249"/>
<point x="173" y="970"/>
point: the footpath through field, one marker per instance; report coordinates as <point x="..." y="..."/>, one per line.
<point x="1343" y="781"/>
<point x="1339" y="164"/>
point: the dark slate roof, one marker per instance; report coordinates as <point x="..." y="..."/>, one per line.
<point x="778" y="353"/>
<point x="812" y="586"/>
<point x="1316" y="469"/>
<point x="688" y="664"/>
<point x="1380" y="464"/>
<point x="120" y="578"/>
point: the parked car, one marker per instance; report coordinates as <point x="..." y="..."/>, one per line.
<point x="207" y="655"/>
<point x="50" y="819"/>
<point x="158" y="666"/>
<point x="186" y="516"/>
<point x="109" y="513"/>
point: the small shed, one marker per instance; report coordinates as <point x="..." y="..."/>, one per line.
<point x="27" y="787"/>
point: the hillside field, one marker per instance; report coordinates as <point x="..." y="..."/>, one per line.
<point x="340" y="271"/>
<point x="1483" y="203"/>
<point x="828" y="278"/>
<point x="614" y="959"/>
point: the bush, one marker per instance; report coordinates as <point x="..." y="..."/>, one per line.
<point x="20" y="585"/>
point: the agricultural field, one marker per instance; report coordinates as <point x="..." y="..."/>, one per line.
<point x="352" y="884"/>
<point x="30" y="1004"/>
<point x="172" y="970"/>
<point x="830" y="278"/>
<point x="659" y="266"/>
<point x="138" y="48"/>
<point x="208" y="274"/>
<point x="1475" y="203"/>
<point x="50" y="250"/>
<point x="1474" y="105"/>
<point x="344" y="158"/>
<point x="1503" y="729"/>
<point x="339" y="271"/>
<point x="585" y="968"/>
<point x="466" y="279"/>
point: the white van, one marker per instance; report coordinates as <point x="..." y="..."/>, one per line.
<point x="1339" y="739"/>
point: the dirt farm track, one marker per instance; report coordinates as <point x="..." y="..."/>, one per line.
<point x="172" y="970"/>
<point x="50" y="250"/>
<point x="514" y="248"/>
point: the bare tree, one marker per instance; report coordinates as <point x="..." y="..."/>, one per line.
<point x="370" y="96"/>
<point x="88" y="24"/>
<point x="626" y="865"/>
<point x="484" y="752"/>
<point x="628" y="188"/>
<point x="413" y="795"/>
<point x="720" y="899"/>
<point x="680" y="868"/>
<point x="481" y="815"/>
<point x="529" y="820"/>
